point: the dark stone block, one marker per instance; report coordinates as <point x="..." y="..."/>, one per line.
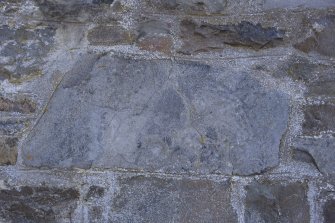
<point x="151" y="199"/>
<point x="321" y="150"/>
<point x="8" y="150"/>
<point x="110" y="35"/>
<point x="276" y="202"/>
<point x="37" y="204"/>
<point x="24" y="105"/>
<point x="318" y="119"/>
<point x="323" y="39"/>
<point x="207" y="37"/>
<point x="329" y="211"/>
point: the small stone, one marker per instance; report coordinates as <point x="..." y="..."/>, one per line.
<point x="276" y="202"/>
<point x="321" y="150"/>
<point x="329" y="211"/>
<point x="110" y="35"/>
<point x="156" y="43"/>
<point x="24" y="106"/>
<point x="8" y="150"/>
<point x="95" y="192"/>
<point x="318" y="119"/>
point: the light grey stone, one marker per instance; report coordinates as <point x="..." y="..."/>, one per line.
<point x="163" y="116"/>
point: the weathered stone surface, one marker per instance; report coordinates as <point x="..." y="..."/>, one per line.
<point x="323" y="38"/>
<point x="23" y="105"/>
<point x="207" y="37"/>
<point x="112" y="112"/>
<point x="169" y="200"/>
<point x="276" y="202"/>
<point x="275" y="4"/>
<point x="110" y="35"/>
<point x="23" y="51"/>
<point x="37" y="204"/>
<point x="95" y="192"/>
<point x="322" y="151"/>
<point x="329" y="211"/>
<point x="190" y="6"/>
<point x="12" y="127"/>
<point x="318" y="119"/>
<point x="8" y="150"/>
<point x="158" y="43"/>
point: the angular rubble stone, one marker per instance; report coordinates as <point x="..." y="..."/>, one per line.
<point x="276" y="202"/>
<point x="275" y="4"/>
<point x="329" y="211"/>
<point x="109" y="35"/>
<point x="157" y="43"/>
<point x="12" y="127"/>
<point x="170" y="200"/>
<point x="207" y="37"/>
<point x="323" y="40"/>
<point x="8" y="150"/>
<point x="24" y="105"/>
<point x="321" y="150"/>
<point x="190" y="6"/>
<point x="113" y="112"/>
<point x="318" y="119"/>
<point x="22" y="46"/>
<point x="37" y="204"/>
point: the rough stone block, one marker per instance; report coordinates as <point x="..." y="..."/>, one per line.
<point x="318" y="119"/>
<point x="23" y="46"/>
<point x="323" y="38"/>
<point x="172" y="200"/>
<point x="279" y="4"/>
<point x="321" y="150"/>
<point x="110" y="35"/>
<point x="37" y="204"/>
<point x="8" y="150"/>
<point x="207" y="37"/>
<point x="329" y="211"/>
<point x="12" y="127"/>
<point x="276" y="202"/>
<point x="178" y="117"/>
<point x="24" y="105"/>
<point x="190" y="6"/>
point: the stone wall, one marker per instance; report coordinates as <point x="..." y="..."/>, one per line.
<point x="167" y="111"/>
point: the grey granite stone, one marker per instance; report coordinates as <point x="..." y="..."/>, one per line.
<point x="112" y="112"/>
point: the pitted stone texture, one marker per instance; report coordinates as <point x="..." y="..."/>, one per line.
<point x="171" y="200"/>
<point x="37" y="204"/>
<point x="276" y="202"/>
<point x="23" y="50"/>
<point x="323" y="38"/>
<point x="279" y="4"/>
<point x="207" y="37"/>
<point x="322" y="151"/>
<point x="8" y="150"/>
<point x="190" y="6"/>
<point x="163" y="116"/>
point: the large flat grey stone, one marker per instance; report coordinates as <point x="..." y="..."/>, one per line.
<point x="159" y="115"/>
